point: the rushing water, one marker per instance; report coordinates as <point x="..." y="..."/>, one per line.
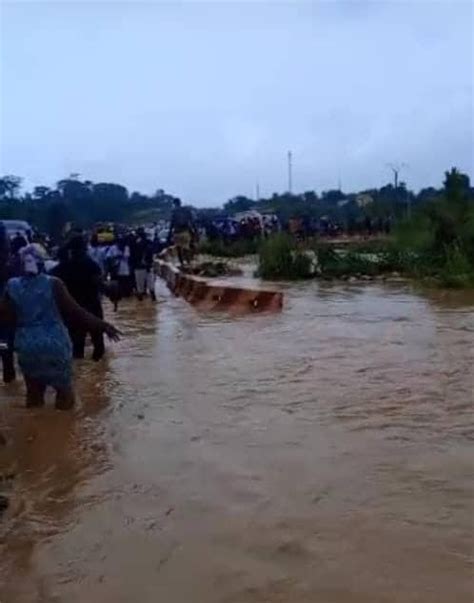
<point x="322" y="455"/>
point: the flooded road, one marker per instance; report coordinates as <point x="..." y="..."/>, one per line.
<point x="320" y="455"/>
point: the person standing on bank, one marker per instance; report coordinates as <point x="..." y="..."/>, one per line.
<point x="83" y="279"/>
<point x="37" y="303"/>
<point x="182" y="231"/>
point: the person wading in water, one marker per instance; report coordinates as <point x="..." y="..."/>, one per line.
<point x="118" y="256"/>
<point x="83" y="279"/>
<point x="141" y="261"/>
<point x="37" y="303"/>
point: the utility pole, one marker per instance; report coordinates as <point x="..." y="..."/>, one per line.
<point x="395" y="177"/>
<point x="290" y="172"/>
<point x="396" y="169"/>
<point x="257" y="191"/>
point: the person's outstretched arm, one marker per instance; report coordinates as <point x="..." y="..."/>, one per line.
<point x="73" y="313"/>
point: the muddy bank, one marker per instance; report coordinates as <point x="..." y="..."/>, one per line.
<point x="322" y="454"/>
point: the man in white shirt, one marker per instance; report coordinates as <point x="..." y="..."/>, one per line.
<point x="97" y="253"/>
<point x="119" y="257"/>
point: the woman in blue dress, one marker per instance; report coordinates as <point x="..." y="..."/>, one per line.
<point x="37" y="303"/>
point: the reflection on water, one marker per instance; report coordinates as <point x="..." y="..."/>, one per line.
<point x="317" y="455"/>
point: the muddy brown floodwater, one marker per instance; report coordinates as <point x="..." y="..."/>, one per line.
<point x="322" y="455"/>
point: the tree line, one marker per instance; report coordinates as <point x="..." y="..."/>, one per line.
<point x="77" y="201"/>
<point x="434" y="243"/>
<point x="85" y="203"/>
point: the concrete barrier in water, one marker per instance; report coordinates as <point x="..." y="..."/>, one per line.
<point x="219" y="295"/>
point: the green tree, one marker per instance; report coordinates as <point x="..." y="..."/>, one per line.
<point x="109" y="202"/>
<point x="310" y="197"/>
<point x="9" y="187"/>
<point x="333" y="196"/>
<point x="427" y="194"/>
<point x="40" y="193"/>
<point x="456" y="184"/>
<point x="239" y="204"/>
<point x="58" y="215"/>
<point x="77" y="196"/>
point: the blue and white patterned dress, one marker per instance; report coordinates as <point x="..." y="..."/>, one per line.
<point x="41" y="338"/>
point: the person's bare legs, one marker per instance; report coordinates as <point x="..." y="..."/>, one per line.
<point x="65" y="398"/>
<point x="34" y="392"/>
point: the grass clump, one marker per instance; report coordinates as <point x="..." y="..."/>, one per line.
<point x="234" y="249"/>
<point x="279" y="258"/>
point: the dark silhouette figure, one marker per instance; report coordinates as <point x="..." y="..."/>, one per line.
<point x="82" y="277"/>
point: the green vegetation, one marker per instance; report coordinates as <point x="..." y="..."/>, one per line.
<point x="432" y="237"/>
<point x="345" y="208"/>
<point x="236" y="249"/>
<point x="436" y="244"/>
<point x="279" y="259"/>
<point x="82" y="203"/>
<point x="339" y="264"/>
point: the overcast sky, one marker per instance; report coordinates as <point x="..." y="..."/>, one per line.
<point x="204" y="99"/>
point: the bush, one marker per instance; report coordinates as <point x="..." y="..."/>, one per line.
<point x="457" y="270"/>
<point x="415" y="264"/>
<point x="416" y="234"/>
<point x="235" y="249"/>
<point x="336" y="264"/>
<point x="280" y="259"/>
<point x="439" y="240"/>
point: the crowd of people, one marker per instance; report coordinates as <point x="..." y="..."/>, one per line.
<point x="128" y="261"/>
<point x="248" y="226"/>
<point x="325" y="227"/>
<point x="51" y="299"/>
<point x="40" y="320"/>
<point x="252" y="226"/>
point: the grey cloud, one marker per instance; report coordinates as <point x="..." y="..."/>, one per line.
<point x="204" y="99"/>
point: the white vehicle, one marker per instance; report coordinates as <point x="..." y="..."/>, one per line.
<point x="14" y="226"/>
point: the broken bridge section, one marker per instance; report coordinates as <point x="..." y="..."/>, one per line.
<point x="218" y="295"/>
